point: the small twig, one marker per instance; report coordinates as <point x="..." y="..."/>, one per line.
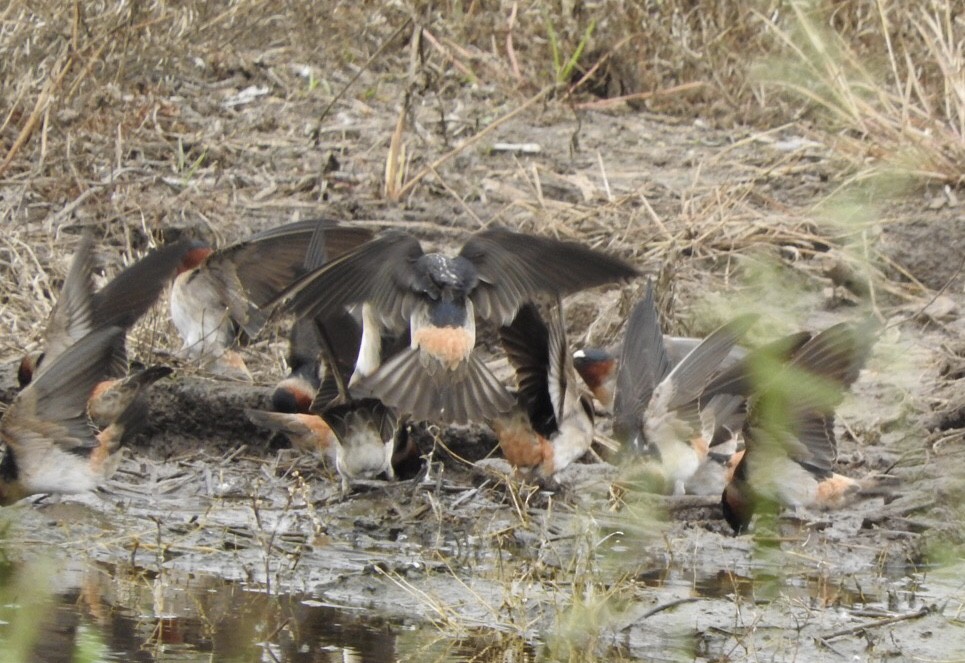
<point x="602" y="104"/>
<point x="463" y="69"/>
<point x="510" y="51"/>
<point x="472" y="140"/>
<point x="358" y="74"/>
<point x="938" y="293"/>
<point x="879" y="623"/>
<point x="660" y="608"/>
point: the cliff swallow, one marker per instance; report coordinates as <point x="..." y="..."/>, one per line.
<point x="121" y="302"/>
<point x="551" y="424"/>
<point x="368" y="433"/>
<point x="111" y="399"/>
<point x="437" y="298"/>
<point x="598" y="366"/>
<point x="50" y="444"/>
<point x="294" y="394"/>
<point x="220" y="293"/>
<point x="656" y="409"/>
<point x="789" y="433"/>
<point x="307" y="432"/>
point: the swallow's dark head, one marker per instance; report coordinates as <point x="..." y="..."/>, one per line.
<point x="293" y="396"/>
<point x="737" y="504"/>
<point x="197" y="252"/>
<point x="594" y="365"/>
<point x="28" y="367"/>
<point x="441" y="277"/>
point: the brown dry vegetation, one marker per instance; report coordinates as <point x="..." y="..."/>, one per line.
<point x="739" y="152"/>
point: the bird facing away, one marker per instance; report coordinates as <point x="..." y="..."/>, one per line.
<point x="436" y="298"/>
<point x="79" y="309"/>
<point x="219" y="294"/>
<point x="656" y="408"/>
<point x="51" y="446"/>
<point x="551" y="424"/>
<point x="789" y="433"/>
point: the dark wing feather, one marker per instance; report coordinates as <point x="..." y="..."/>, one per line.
<point x="738" y="379"/>
<point x="340" y="336"/>
<point x="643" y="365"/>
<point x="796" y="407"/>
<point x="513" y="267"/>
<point x="431" y="393"/>
<point x="690" y="377"/>
<point x="836" y="355"/>
<point x="132" y="292"/>
<point x="59" y="395"/>
<point x="560" y="368"/>
<point x="527" y="345"/>
<point x="270" y="261"/>
<point x="72" y="316"/>
<point x="380" y="272"/>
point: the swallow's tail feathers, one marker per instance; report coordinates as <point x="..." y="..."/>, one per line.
<point x="643" y="365"/>
<point x="643" y="360"/>
<point x="428" y="391"/>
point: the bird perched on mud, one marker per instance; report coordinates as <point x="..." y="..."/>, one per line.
<point x="355" y="436"/>
<point x="307" y="432"/>
<point x="437" y="299"/>
<point x="79" y="309"/>
<point x="789" y="433"/>
<point x="551" y="424"/>
<point x="50" y="443"/>
<point x="656" y="409"/>
<point x="219" y="294"/>
<point x="368" y="434"/>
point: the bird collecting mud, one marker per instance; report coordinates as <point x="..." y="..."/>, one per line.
<point x="551" y="424"/>
<point x="51" y="446"/>
<point x="657" y="408"/>
<point x="79" y="309"/>
<point x="436" y="298"/>
<point x="789" y="435"/>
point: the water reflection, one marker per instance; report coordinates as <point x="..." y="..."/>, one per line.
<point x="117" y="614"/>
<point x="95" y="612"/>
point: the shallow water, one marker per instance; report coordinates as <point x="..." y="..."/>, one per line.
<point x="104" y="612"/>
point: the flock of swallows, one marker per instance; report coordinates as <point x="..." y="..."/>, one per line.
<point x="385" y="333"/>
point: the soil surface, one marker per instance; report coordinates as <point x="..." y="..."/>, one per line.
<point x="724" y="219"/>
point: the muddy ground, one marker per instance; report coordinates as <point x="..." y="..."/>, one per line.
<point x="468" y="557"/>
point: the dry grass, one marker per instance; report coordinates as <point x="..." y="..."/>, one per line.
<point x="146" y="120"/>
